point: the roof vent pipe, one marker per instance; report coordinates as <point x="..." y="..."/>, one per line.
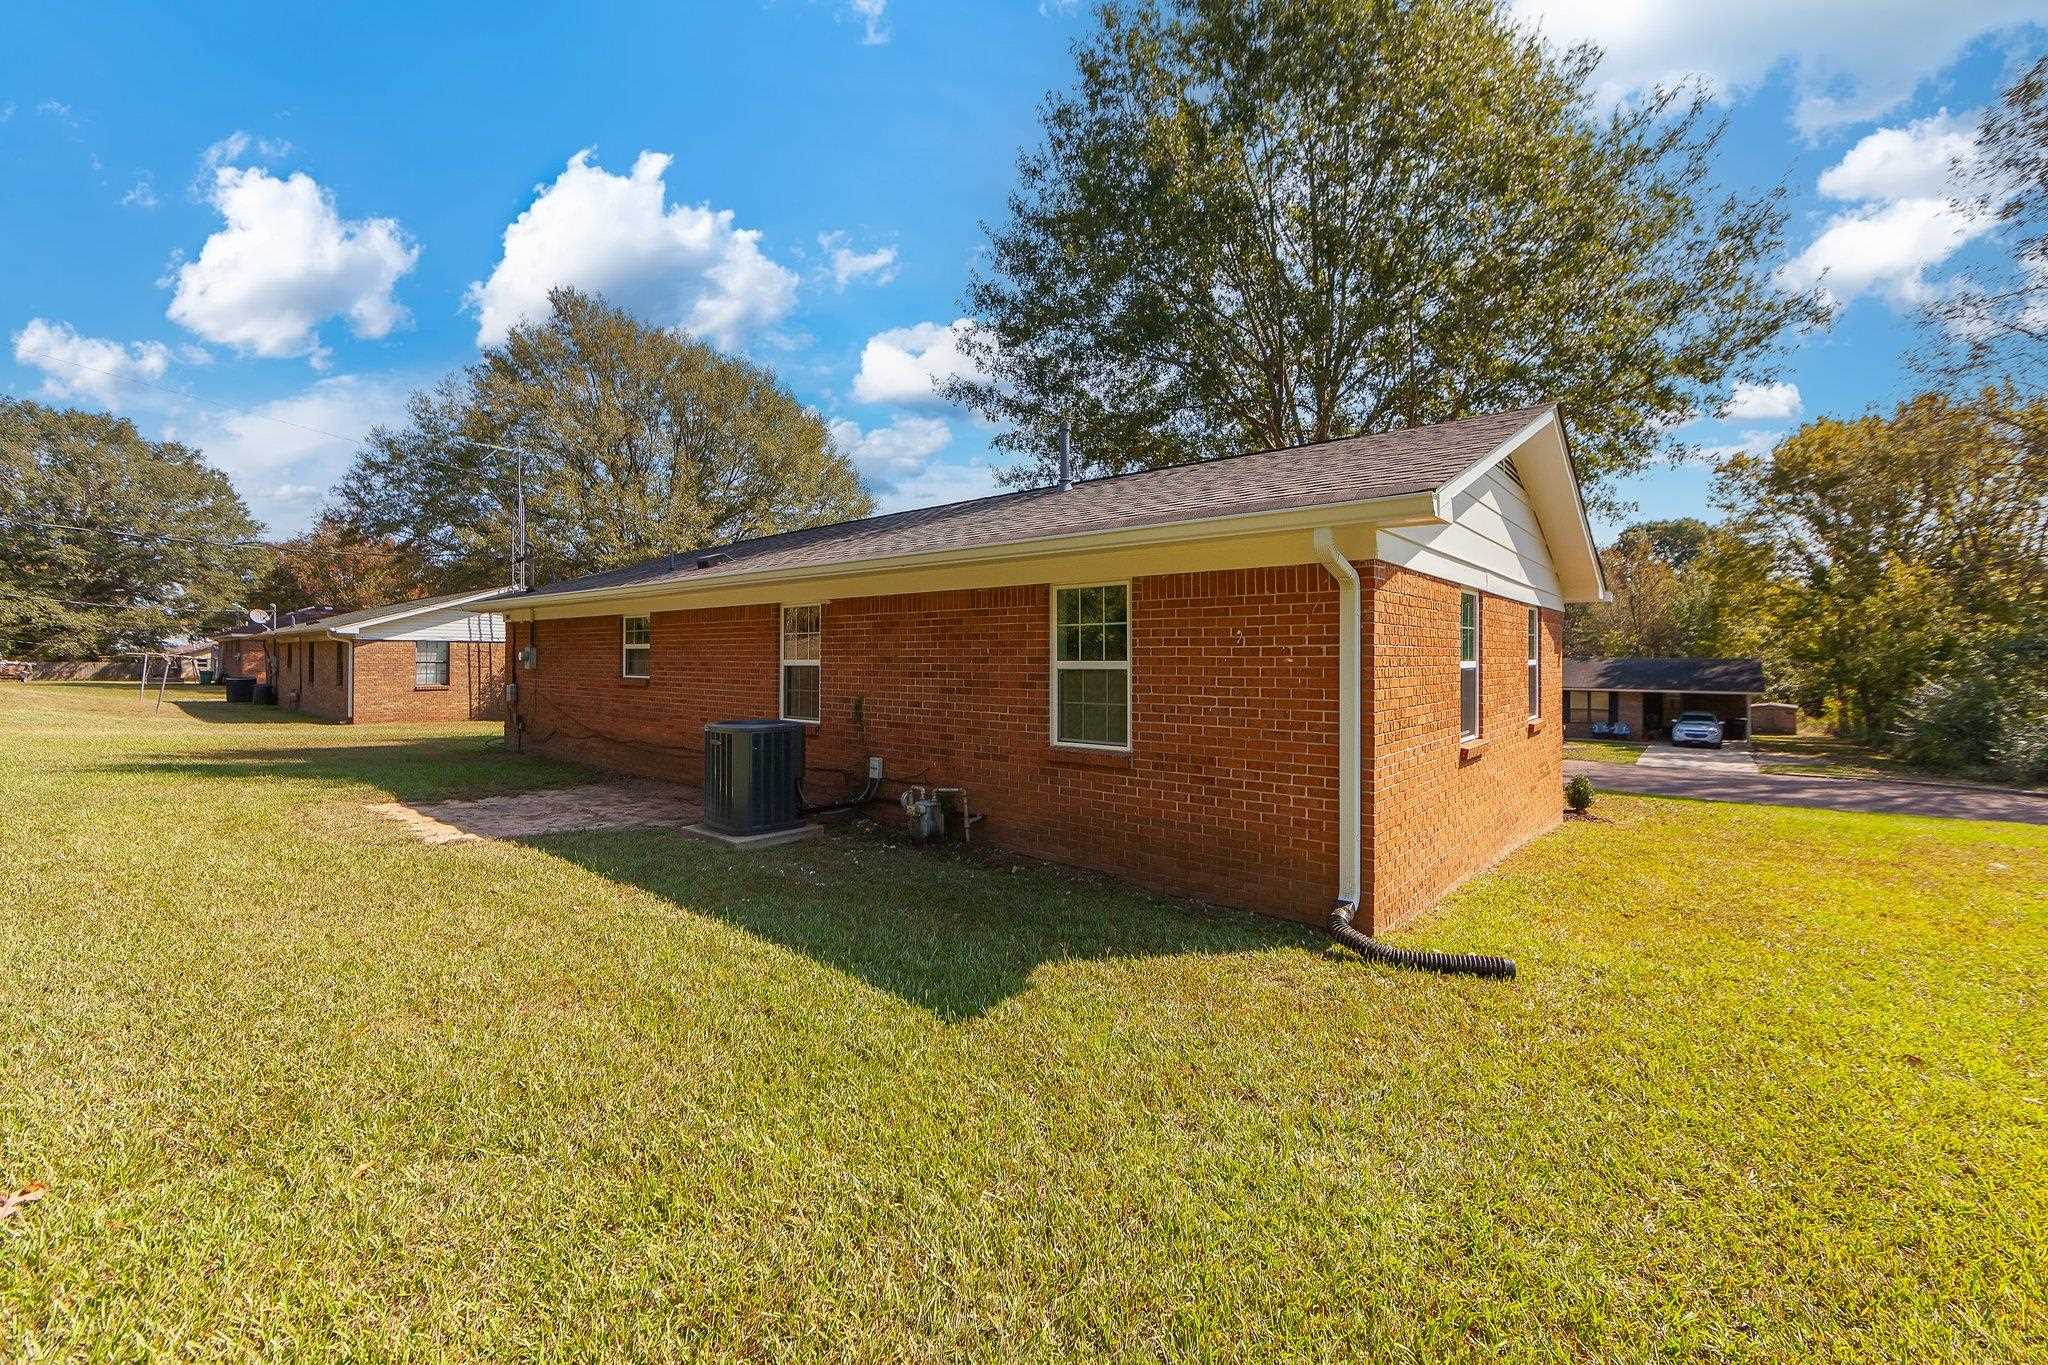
<point x="1066" y="458"/>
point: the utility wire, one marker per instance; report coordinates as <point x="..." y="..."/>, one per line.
<point x="137" y="535"/>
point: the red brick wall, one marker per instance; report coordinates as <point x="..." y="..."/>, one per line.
<point x="952" y="689"/>
<point x="1229" y="793"/>
<point x="311" y="679"/>
<point x="242" y="657"/>
<point x="386" y="693"/>
<point x="1436" y="813"/>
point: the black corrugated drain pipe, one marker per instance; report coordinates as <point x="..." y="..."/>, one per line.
<point x="867" y="793"/>
<point x="1371" y="949"/>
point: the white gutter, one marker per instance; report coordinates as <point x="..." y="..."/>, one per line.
<point x="1399" y="509"/>
<point x="1350" y="756"/>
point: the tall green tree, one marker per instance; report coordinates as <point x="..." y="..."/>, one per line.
<point x="110" y="542"/>
<point x="1669" y="581"/>
<point x="1260" y="224"/>
<point x="641" y="443"/>
<point x="336" y="565"/>
<point x="1897" y="547"/>
<point x="1993" y="328"/>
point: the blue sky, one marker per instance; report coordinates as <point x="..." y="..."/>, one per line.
<point x="257" y="231"/>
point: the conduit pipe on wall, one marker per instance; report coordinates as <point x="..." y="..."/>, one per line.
<point x="1350" y="786"/>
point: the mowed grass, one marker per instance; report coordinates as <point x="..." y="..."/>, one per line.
<point x="1604" y="750"/>
<point x="1828" y="756"/>
<point x="1769" y="1087"/>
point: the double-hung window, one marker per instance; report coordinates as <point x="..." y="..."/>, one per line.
<point x="1468" y="665"/>
<point x="1091" y="666"/>
<point x="801" y="638"/>
<point x="430" y="663"/>
<point x="1535" y="666"/>
<point x="636" y="650"/>
<point x="1584" y="708"/>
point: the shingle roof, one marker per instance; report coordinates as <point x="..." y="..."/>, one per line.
<point x="1664" y="675"/>
<point x="285" y="620"/>
<point x="1354" y="469"/>
<point x="389" y="609"/>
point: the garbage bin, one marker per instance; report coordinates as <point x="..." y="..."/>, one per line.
<point x="266" y="695"/>
<point x="206" y="677"/>
<point x="241" y="689"/>
<point x="1737" y="727"/>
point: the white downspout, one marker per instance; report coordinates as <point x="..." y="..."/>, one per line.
<point x="348" y="665"/>
<point x="1350" y="756"/>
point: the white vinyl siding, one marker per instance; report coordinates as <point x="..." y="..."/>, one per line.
<point x="1494" y="543"/>
<point x="636" y="646"/>
<point x="802" y="666"/>
<point x="1468" y="665"/>
<point x="1091" y="666"/>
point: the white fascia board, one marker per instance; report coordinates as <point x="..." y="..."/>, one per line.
<point x="1403" y="509"/>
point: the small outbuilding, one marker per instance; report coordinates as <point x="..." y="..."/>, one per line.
<point x="435" y="658"/>
<point x="1647" y="695"/>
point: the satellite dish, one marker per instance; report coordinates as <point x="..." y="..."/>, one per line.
<point x="261" y="618"/>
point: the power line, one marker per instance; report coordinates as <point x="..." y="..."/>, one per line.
<point x="136" y="535"/>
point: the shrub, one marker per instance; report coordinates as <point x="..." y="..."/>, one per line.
<point x="1578" y="794"/>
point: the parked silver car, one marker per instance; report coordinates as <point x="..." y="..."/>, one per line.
<point x="1697" y="727"/>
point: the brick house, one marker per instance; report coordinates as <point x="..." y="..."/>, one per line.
<point x="1648" y="694"/>
<point x="244" y="652"/>
<point x="1274" y="680"/>
<point x="436" y="658"/>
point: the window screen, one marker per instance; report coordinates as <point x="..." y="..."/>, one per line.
<point x="1092" y="666"/>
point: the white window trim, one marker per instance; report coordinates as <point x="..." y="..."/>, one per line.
<point x="786" y="663"/>
<point x="1536" y="663"/>
<point x="1052" y="654"/>
<point x="447" y="663"/>
<point x="1478" y="678"/>
<point x="624" y="647"/>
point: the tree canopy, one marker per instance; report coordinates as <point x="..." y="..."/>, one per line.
<point x="1995" y="329"/>
<point x="641" y="443"/>
<point x="1891" y="550"/>
<point x="1255" y="225"/>
<point x="110" y="542"/>
<point x="335" y="565"/>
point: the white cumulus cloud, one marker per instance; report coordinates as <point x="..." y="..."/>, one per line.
<point x="1761" y="402"/>
<point x="1848" y="62"/>
<point x="1904" y="184"/>
<point x="283" y="453"/>
<point x="874" y="28"/>
<point x="903" y="364"/>
<point x="936" y="484"/>
<point x="847" y="265"/>
<point x="284" y="262"/>
<point x="75" y="366"/>
<point x="677" y="265"/>
<point x="887" y="455"/>
<point x="1923" y="160"/>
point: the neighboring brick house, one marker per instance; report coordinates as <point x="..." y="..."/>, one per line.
<point x="244" y="652"/>
<point x="1647" y="695"/>
<point x="436" y="658"/>
<point x="1274" y="680"/>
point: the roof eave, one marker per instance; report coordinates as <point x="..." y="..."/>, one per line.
<point x="1395" y="510"/>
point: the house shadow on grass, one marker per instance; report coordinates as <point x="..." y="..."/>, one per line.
<point x="409" y="770"/>
<point x="948" y="933"/>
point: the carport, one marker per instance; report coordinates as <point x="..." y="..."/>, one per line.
<point x="1647" y="694"/>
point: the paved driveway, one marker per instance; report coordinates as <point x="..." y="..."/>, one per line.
<point x="1666" y="772"/>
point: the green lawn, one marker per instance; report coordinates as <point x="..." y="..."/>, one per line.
<point x="1604" y="750"/>
<point x="1827" y="756"/>
<point x="1771" y="1085"/>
